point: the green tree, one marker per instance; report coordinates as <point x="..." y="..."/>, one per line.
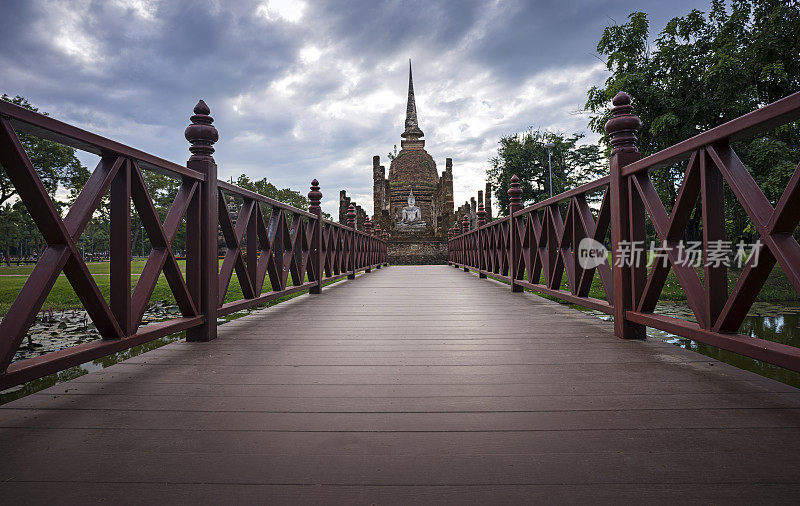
<point x="51" y="160"/>
<point x="705" y="70"/>
<point x="57" y="167"/>
<point x="525" y="155"/>
<point x="9" y="231"/>
<point x="285" y="195"/>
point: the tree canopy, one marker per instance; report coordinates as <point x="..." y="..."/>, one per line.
<point x="706" y="69"/>
<point x="526" y="156"/>
<point x="57" y="166"/>
<point x="55" y="163"/>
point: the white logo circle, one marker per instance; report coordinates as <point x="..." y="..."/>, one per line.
<point x="591" y="253"/>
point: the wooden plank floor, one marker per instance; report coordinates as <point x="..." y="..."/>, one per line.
<point x="409" y="384"/>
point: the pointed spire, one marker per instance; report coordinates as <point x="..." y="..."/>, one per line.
<point x="412" y="131"/>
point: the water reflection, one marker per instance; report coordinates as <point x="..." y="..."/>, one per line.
<point x="85" y="368"/>
<point x="64" y="329"/>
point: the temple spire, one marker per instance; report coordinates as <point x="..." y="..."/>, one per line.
<point x="412" y="131"/>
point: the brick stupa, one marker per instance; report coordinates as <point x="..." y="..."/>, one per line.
<point x="414" y="204"/>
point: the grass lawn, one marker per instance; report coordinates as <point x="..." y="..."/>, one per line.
<point x="777" y="288"/>
<point x="62" y="296"/>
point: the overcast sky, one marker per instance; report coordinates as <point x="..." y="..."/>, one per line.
<point x="304" y="89"/>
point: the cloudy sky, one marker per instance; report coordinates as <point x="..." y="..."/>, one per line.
<point x="302" y="89"/>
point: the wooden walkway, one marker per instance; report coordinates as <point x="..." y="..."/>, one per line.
<point x="409" y="384"/>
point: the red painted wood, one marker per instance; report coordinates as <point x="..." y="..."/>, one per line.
<point x="525" y="243"/>
<point x="761" y="120"/>
<point x="120" y="268"/>
<point x="203" y="277"/>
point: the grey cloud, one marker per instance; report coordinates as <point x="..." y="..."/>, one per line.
<point x="471" y="60"/>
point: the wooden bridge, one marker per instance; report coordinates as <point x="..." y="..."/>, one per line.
<point x="403" y="384"/>
<point x="408" y="384"/>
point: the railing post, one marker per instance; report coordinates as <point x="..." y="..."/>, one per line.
<point x="479" y="239"/>
<point x="202" y="265"/>
<point x="515" y="193"/>
<point x="314" y="197"/>
<point x="120" y="249"/>
<point x="385" y="248"/>
<point x="456" y="243"/>
<point x="450" y="246"/>
<point x="351" y="223"/>
<point x="368" y="230"/>
<point x="464" y="230"/>
<point x="627" y="216"/>
<point x="379" y="246"/>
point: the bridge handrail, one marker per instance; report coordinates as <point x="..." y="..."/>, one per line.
<point x="538" y="240"/>
<point x="268" y="240"/>
<point x="45" y="127"/>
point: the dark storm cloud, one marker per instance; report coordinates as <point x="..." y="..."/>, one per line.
<point x="312" y="89"/>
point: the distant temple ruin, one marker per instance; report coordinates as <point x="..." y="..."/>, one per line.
<point x="414" y="204"/>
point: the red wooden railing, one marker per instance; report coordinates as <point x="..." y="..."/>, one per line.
<point x="270" y="240"/>
<point x="539" y="239"/>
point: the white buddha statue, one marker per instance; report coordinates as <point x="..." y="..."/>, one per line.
<point x="411" y="213"/>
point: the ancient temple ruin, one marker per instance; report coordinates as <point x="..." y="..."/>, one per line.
<point x="415" y="203"/>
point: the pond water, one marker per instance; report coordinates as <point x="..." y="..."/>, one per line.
<point x="63" y="329"/>
<point x="56" y="330"/>
<point x="773" y="322"/>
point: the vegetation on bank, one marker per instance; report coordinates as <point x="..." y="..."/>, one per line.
<point x="778" y="288"/>
<point x="62" y="296"/>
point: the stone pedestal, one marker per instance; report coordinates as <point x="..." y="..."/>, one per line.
<point x="417" y="249"/>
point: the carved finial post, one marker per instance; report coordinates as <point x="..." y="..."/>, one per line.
<point x="201" y="134"/>
<point x="385" y="247"/>
<point x="450" y="246"/>
<point x="623" y="125"/>
<point x="379" y="252"/>
<point x="479" y="239"/>
<point x="515" y="194"/>
<point x="351" y="222"/>
<point x="314" y="197"/>
<point x="315" y="258"/>
<point x="464" y="229"/>
<point x="627" y="214"/>
<point x="368" y="230"/>
<point x="515" y="204"/>
<point x="202" y="265"/>
<point x="455" y="230"/>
